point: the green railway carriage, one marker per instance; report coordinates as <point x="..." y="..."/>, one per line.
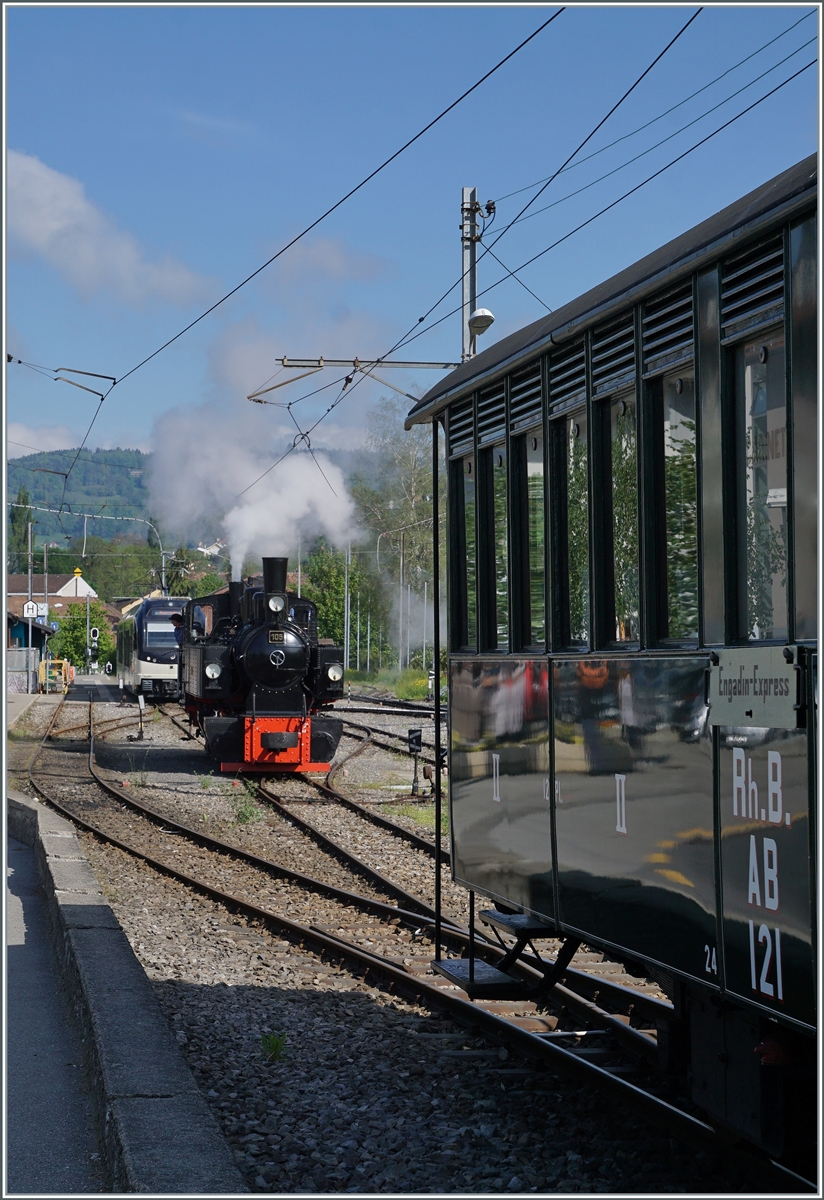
<point x="633" y="606"/>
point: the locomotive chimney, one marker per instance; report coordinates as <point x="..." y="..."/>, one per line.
<point x="274" y="575"/>
<point x="235" y="597"/>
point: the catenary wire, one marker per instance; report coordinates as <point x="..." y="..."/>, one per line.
<point x="414" y="334"/>
<point x="419" y="333"/>
<point x="668" y="138"/>
<point x="348" y="195"/>
<point x="323" y="217"/>
<point x="591" y="135"/>
<point x="667" y="111"/>
<point x="487" y="250"/>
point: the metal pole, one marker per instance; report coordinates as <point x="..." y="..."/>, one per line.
<point x="408" y="623"/>
<point x="29" y="654"/>
<point x="368" y="638"/>
<point x="424" y="628"/>
<point x="400" y="608"/>
<point x="88" y="634"/>
<point x="298" y="564"/>
<point x="469" y="231"/>
<point x="346" y="611"/>
<point x="436" y="654"/>
<point x="46" y="601"/>
<point x="357" y="639"/>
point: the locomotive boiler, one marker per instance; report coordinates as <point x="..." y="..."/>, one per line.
<point x="256" y="677"/>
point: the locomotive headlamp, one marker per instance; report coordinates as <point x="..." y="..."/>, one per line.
<point x="277" y="603"/>
<point x="213" y="670"/>
<point x="335" y="672"/>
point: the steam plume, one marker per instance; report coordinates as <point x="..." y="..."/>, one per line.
<point x="204" y="458"/>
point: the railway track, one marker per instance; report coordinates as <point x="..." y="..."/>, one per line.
<point x="565" y="1031"/>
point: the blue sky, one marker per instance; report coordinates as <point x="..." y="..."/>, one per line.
<point x="158" y="155"/>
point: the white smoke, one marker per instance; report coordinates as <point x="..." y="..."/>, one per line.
<point x="206" y="456"/>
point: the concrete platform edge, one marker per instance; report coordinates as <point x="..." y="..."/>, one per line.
<point x="158" y="1134"/>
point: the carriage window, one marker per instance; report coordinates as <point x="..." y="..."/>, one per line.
<point x="624" y="465"/>
<point x="678" y="527"/>
<point x="470" y="551"/>
<point x="500" y="547"/>
<point x="761" y="479"/>
<point x="577" y="530"/>
<point x="535" y="620"/>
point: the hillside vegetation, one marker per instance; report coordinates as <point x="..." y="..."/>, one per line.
<point x="108" y="481"/>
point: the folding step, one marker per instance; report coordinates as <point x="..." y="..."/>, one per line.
<point x="488" y="983"/>
<point x="520" y="925"/>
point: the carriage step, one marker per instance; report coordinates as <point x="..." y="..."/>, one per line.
<point x="521" y="925"/>
<point x="488" y="983"/>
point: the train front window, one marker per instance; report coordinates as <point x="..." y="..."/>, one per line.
<point x="678" y="516"/>
<point x="577" y="530"/>
<point x="535" y="623"/>
<point x="500" y="547"/>
<point x="761" y="484"/>
<point x="624" y="471"/>
<point x="470" y="552"/>
<point x="160" y="632"/>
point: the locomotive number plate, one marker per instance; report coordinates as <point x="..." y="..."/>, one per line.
<point x="277" y="635"/>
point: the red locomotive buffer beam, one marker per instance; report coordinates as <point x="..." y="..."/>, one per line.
<point x="276" y="744"/>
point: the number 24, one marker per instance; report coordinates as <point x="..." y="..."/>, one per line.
<point x="711" y="966"/>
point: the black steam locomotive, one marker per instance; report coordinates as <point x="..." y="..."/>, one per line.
<point x="255" y="675"/>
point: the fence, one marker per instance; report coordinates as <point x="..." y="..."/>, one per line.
<point x="21" y="669"/>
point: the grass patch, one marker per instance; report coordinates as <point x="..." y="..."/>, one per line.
<point x="273" y="1046"/>
<point x="242" y="796"/>
<point x="421" y="814"/>
<point x="412" y="685"/>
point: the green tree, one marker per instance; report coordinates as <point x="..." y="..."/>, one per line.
<point x="113" y="568"/>
<point x="19" y="532"/>
<point x="325" y="584"/>
<point x="207" y="584"/>
<point x="70" y="640"/>
<point x="398" y="493"/>
<point x="177" y="572"/>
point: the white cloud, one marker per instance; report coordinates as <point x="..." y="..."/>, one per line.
<point x="28" y="439"/>
<point x="321" y="258"/>
<point x="49" y="213"/>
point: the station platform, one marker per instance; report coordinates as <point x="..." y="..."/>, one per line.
<point x="99" y="1098"/>
<point x="51" y="1143"/>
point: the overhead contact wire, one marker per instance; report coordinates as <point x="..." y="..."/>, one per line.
<point x="348" y="195"/>
<point x="419" y="333"/>
<point x="667" y="111"/>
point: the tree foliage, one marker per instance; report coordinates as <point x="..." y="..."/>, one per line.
<point x="70" y="640"/>
<point x="19" y="532"/>
<point x="324" y="584"/>
<point x="398" y="493"/>
<point x="113" y="568"/>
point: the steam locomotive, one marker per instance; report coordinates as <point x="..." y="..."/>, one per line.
<point x="255" y="676"/>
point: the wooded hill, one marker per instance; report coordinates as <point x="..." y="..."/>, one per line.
<point x="116" y="479"/>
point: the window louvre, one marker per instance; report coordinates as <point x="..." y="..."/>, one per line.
<point x="752" y="287"/>
<point x="613" y="355"/>
<point x="567" y="376"/>
<point x="667" y="329"/>
<point x="461" y="427"/>
<point x="491" y="414"/>
<point x="525" y="397"/>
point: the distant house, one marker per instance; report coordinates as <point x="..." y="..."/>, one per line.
<point x="212" y="551"/>
<point x="63" y="590"/>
